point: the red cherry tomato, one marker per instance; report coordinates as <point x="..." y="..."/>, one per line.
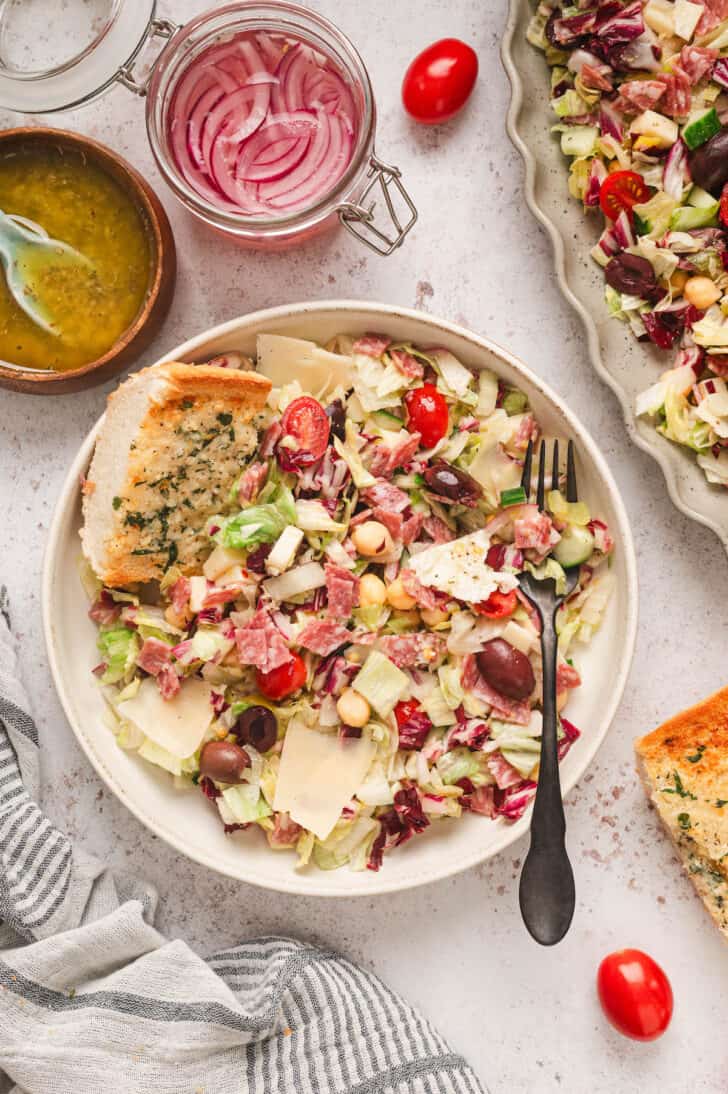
<point x="620" y="191"/>
<point x="438" y="82"/>
<point x="281" y="682"/>
<point x="498" y="605"/>
<point x="404" y="710"/>
<point x="427" y="414"/>
<point x="305" y="421"/>
<point x="635" y="994"/>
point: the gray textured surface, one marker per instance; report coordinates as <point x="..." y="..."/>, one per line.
<point x="527" y="1018"/>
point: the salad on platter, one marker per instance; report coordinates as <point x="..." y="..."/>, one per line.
<point x="351" y="658"/>
<point x="639" y="89"/>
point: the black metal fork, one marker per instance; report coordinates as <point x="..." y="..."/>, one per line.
<point x="546" y="894"/>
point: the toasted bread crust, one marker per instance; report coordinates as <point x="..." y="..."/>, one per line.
<point x="684" y="765"/>
<point x="192" y="441"/>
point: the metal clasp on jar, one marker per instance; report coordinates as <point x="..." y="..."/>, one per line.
<point x="359" y="218"/>
<point x="158" y="28"/>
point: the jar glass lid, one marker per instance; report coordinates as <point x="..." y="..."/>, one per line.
<point x="88" y="45"/>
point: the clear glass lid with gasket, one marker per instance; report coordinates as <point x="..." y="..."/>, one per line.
<point x="261" y="116"/>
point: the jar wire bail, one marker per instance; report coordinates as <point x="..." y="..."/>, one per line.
<point x="359" y="219"/>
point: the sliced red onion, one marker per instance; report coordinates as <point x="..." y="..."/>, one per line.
<point x="263" y="124"/>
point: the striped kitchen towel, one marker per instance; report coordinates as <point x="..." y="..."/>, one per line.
<point x="93" y="998"/>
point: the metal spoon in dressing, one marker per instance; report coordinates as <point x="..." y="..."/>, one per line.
<point x="44" y="275"/>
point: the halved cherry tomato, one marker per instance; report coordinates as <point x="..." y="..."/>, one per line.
<point x="438" y="82"/>
<point x="404" y="710"/>
<point x="620" y="191"/>
<point x="281" y="682"/>
<point x="498" y="605"/>
<point x="306" y="422"/>
<point x="635" y="994"/>
<point x="427" y="414"/>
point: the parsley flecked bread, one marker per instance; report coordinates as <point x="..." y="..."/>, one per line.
<point x="684" y="765"/>
<point x="173" y="441"/>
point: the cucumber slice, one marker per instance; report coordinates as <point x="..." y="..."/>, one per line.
<point x="700" y="129"/>
<point x="686" y="217"/>
<point x="574" y="547"/>
<point x="700" y="198"/>
<point x="385" y="420"/>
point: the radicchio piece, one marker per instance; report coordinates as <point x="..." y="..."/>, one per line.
<point x="413" y="730"/>
<point x="720" y="72"/>
<point x="641" y="54"/>
<point x="676" y="173"/>
<point x="516" y="801"/>
<point x="105" y="609"/>
<point x="208" y="788"/>
<point x="409" y="807"/>
<point x="622" y="26"/>
<point x="567" y="30"/>
<point x="597" y="175"/>
<point x="664" y="326"/>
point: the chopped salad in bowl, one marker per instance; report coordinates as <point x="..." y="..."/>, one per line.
<point x="640" y="94"/>
<point x="354" y="653"/>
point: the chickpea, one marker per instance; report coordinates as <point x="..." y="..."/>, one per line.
<point x="353" y="709"/>
<point x="433" y="616"/>
<point x="562" y="698"/>
<point x="178" y="619"/>
<point x="701" y="292"/>
<point x="398" y="596"/>
<point x="371" y="539"/>
<point x="372" y="591"/>
<point x="677" y="282"/>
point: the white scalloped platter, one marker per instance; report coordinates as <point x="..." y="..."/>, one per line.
<point x="626" y="365"/>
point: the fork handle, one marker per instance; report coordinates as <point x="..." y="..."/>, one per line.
<point x="546" y="894"/>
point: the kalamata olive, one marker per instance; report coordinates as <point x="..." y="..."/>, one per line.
<point x="257" y="726"/>
<point x="709" y="164"/>
<point x="337" y="416"/>
<point x="450" y="482"/>
<point x="224" y="762"/>
<point x="506" y="669"/>
<point x="631" y="274"/>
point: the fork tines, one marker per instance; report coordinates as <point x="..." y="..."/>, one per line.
<point x="571" y="489"/>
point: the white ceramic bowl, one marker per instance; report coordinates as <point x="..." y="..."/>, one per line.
<point x="185" y="819"/>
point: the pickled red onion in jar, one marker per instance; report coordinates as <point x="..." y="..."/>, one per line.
<point x="263" y="124"/>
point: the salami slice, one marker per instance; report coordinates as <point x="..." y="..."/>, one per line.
<point x="154" y="655"/>
<point x="342" y="587"/>
<point x="323" y="636"/>
<point x="372" y="345"/>
<point x="386" y="495"/>
<point x="260" y="643"/>
<point x="407" y="651"/>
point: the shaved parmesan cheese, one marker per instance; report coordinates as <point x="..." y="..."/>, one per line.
<point x="459" y="568"/>
<point x="177" y="724"/>
<point x="319" y="774"/>
<point x="317" y="370"/>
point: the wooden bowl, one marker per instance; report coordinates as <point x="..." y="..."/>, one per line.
<point x="163" y="271"/>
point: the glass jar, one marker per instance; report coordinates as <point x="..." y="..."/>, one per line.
<point x="368" y="198"/>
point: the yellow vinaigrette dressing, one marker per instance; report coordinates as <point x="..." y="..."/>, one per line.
<point x="77" y="202"/>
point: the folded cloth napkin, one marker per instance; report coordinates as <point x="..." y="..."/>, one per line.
<point x="92" y="997"/>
